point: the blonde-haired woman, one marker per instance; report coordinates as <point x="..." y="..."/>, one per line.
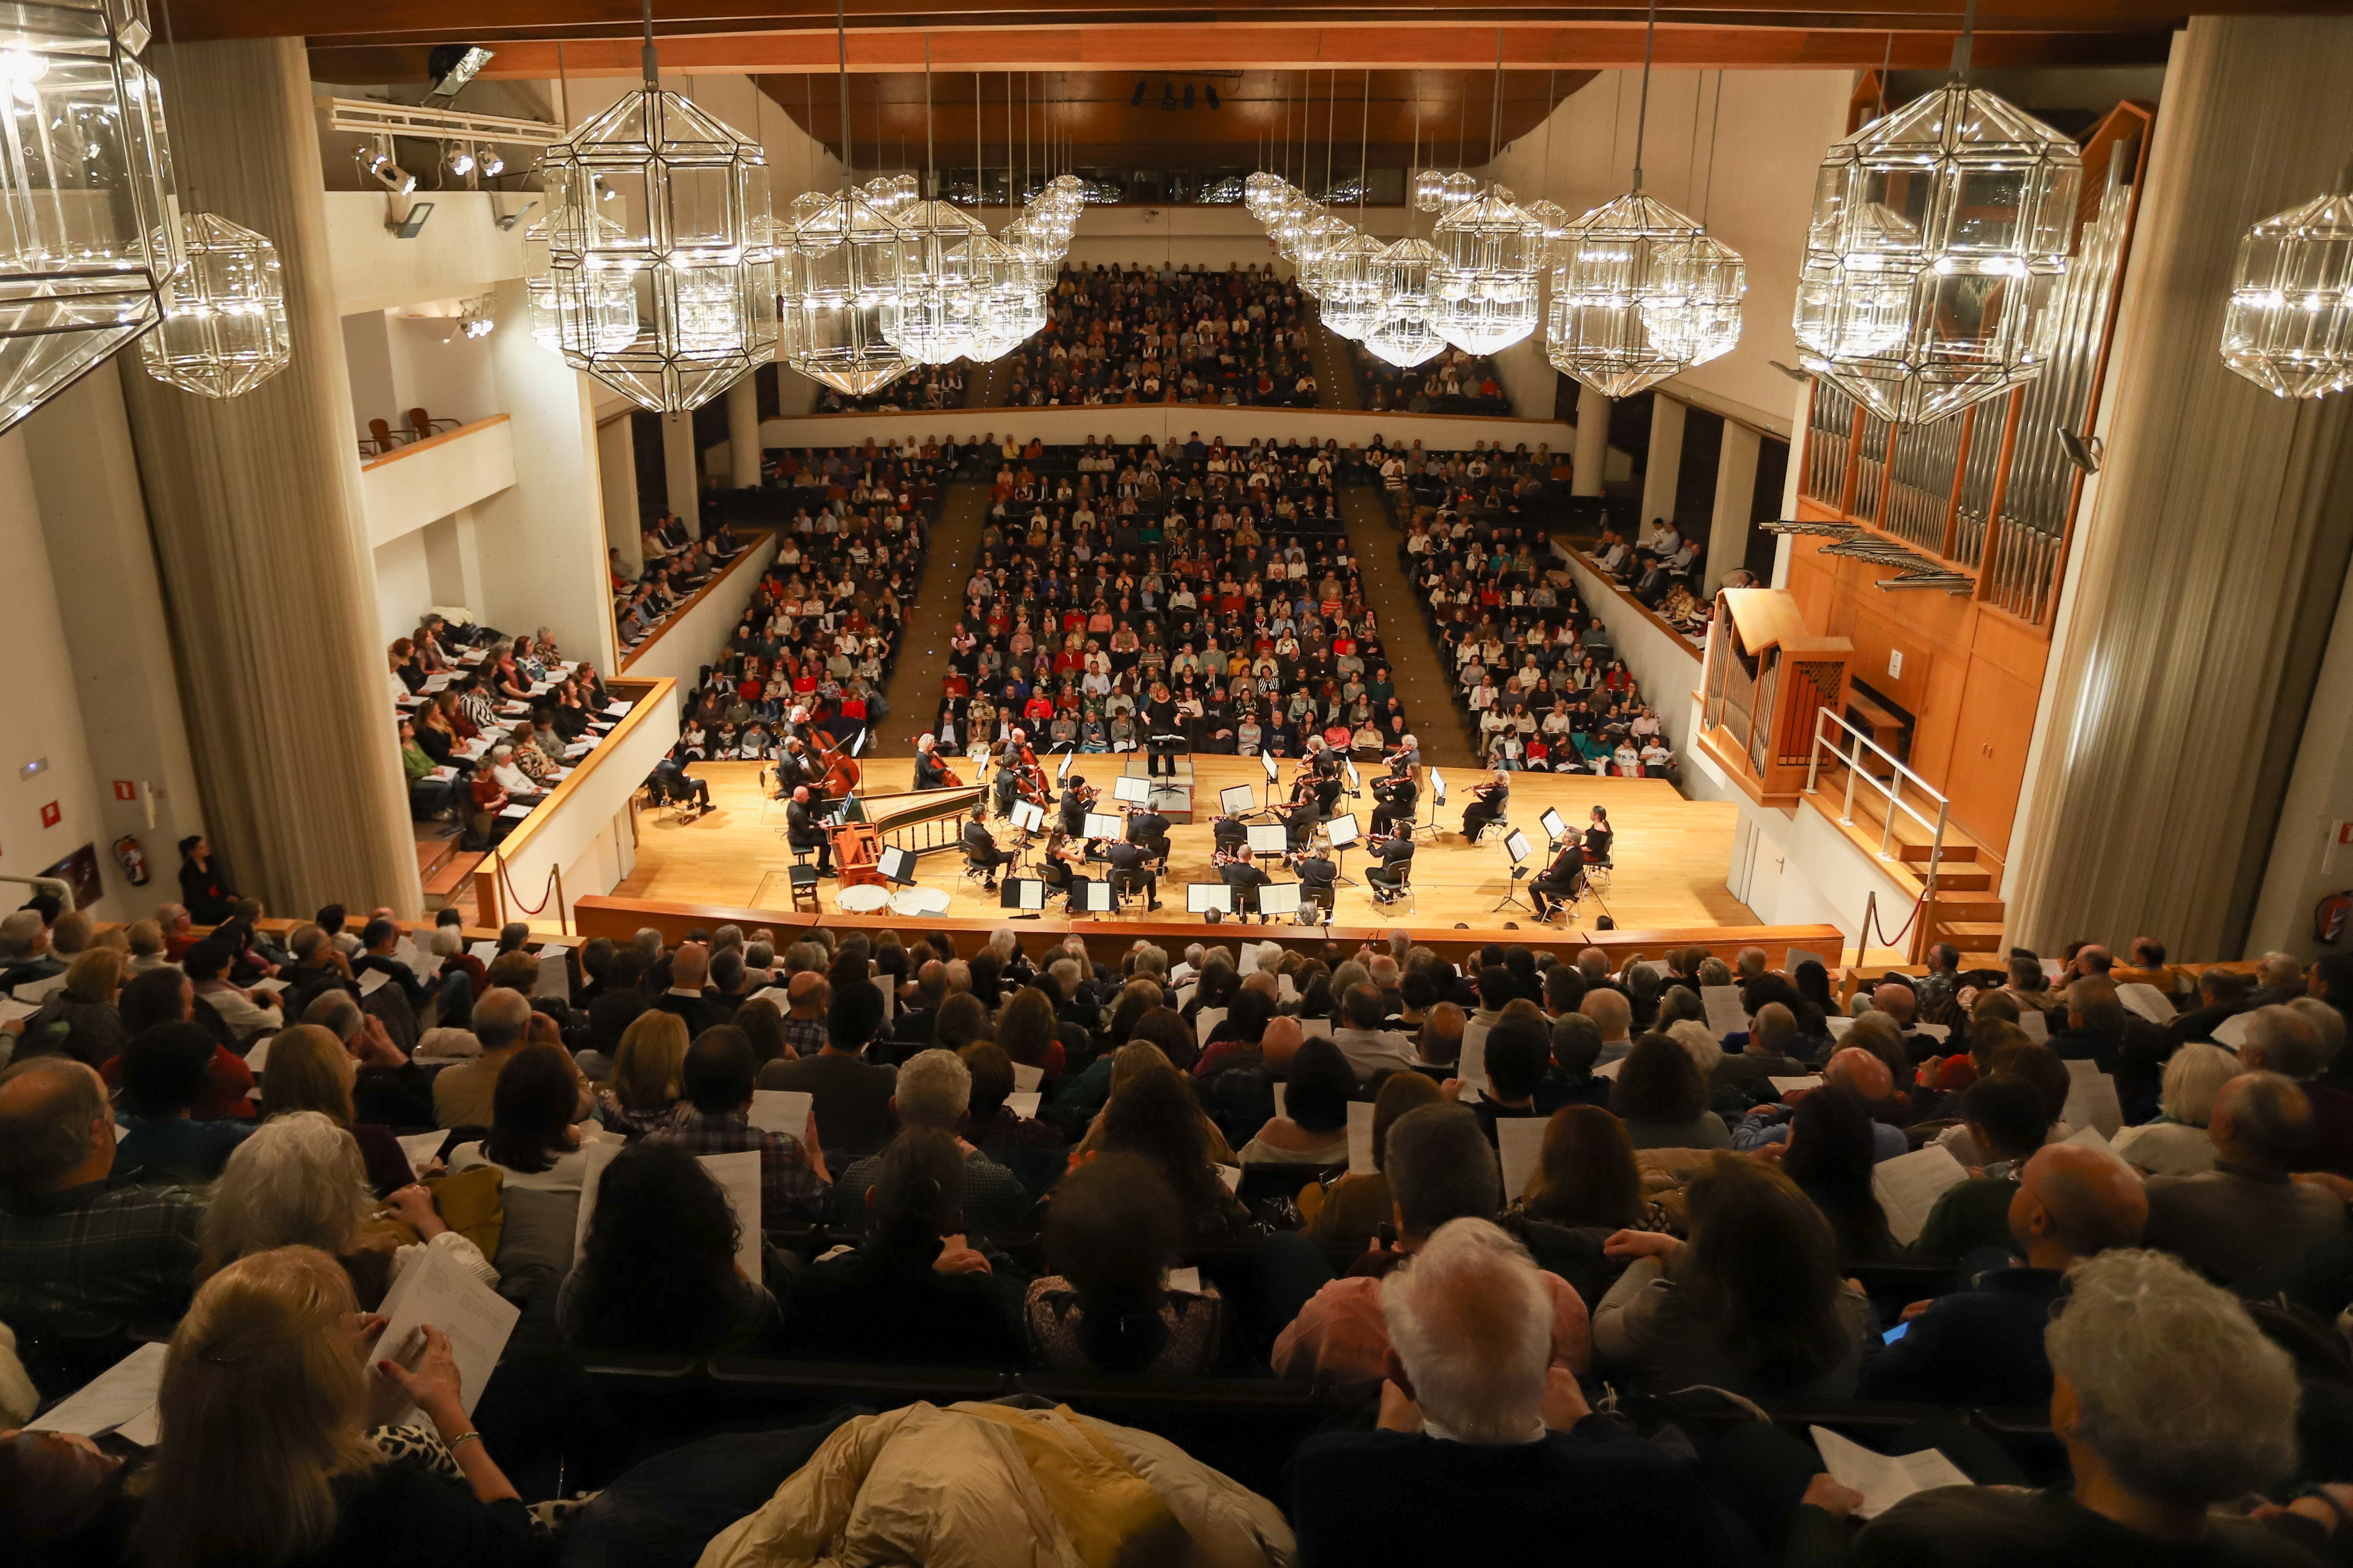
<point x="298" y="1180"/>
<point x="266" y="1404"/>
<point x="79" y="1020"/>
<point x="309" y="1068"/>
<point x="647" y="1065"/>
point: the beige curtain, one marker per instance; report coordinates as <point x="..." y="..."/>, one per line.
<point x="255" y="510"/>
<point x="2210" y="566"/>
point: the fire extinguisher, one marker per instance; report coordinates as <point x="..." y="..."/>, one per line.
<point x="132" y="859"/>
<point x="2329" y="915"/>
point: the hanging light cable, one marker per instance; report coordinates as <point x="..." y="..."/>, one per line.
<point x="1354" y="292"/>
<point x="935" y="318"/>
<point x="1549" y="213"/>
<point x="1939" y="239"/>
<point x="1484" y="293"/>
<point x="1640" y="292"/>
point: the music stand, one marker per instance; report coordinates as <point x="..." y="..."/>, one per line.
<point x="1089" y="895"/>
<point x="1238" y="800"/>
<point x="1268" y="840"/>
<point x="1063" y="772"/>
<point x="1355" y="782"/>
<point x="1437" y="799"/>
<point x="1102" y="825"/>
<point x="1021" y="893"/>
<point x="1279" y="899"/>
<point x="1131" y="789"/>
<point x="897" y="866"/>
<point x="1555" y="828"/>
<point x="1272" y="773"/>
<point x="1205" y="898"/>
<point x="1339" y="833"/>
<point x="1515" y="844"/>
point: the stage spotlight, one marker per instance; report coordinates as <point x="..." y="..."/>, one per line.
<point x="458" y="160"/>
<point x="376" y="164"/>
<point x="490" y="163"/>
<point x="453" y="66"/>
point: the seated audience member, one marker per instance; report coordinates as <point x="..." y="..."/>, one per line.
<point x="1153" y="1114"/>
<point x="1829" y="1157"/>
<point x="2007" y="1120"/>
<point x="267" y="1396"/>
<point x="461" y="1092"/>
<point x="1575" y="1051"/>
<point x="1356" y="1205"/>
<point x="1314" y="1127"/>
<point x="934" y="1090"/>
<point x="1662" y="1097"/>
<point x="2245" y="1213"/>
<point x="2177" y="1143"/>
<point x="533" y="1141"/>
<point x="717" y="1081"/>
<point x="299" y="1181"/>
<point x="1752" y="1303"/>
<point x="850" y="1098"/>
<point x="81" y="1259"/>
<point x="1613" y="1014"/>
<point x="1519" y="1050"/>
<point x="1477" y="1409"/>
<point x="1362" y="1038"/>
<point x="309" y="1070"/>
<point x="165" y="1070"/>
<point x="82" y="1019"/>
<point x="913" y="1290"/>
<point x="244" y="1014"/>
<point x="657" y="1270"/>
<point x="1585" y="1177"/>
<point x="1024" y="1145"/>
<point x="1111" y="1236"/>
<point x="2149" y="1463"/>
<point x="1984" y="1345"/>
<point x="1440" y="1168"/>
<point x="1740" y="1081"/>
<point x="2281" y="1040"/>
<point x="643" y="1095"/>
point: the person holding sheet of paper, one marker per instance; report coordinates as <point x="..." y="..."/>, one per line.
<point x="1311" y="1128"/>
<point x="717" y="1078"/>
<point x="1354" y="1207"/>
<point x="658" y="1269"/>
<point x="1753" y="1303"/>
<point x="267" y="1400"/>
<point x="1115" y="1303"/>
<point x="1585" y="1177"/>
<point x="1983" y="1346"/>
<point x="2139" y="1335"/>
<point x="2009" y="1119"/>
<point x="934" y="1090"/>
<point x="1494" y="1426"/>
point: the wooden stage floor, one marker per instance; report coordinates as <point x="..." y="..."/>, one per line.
<point x="1670" y="853"/>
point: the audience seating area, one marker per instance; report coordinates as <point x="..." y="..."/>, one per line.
<point x="1237" y="338"/>
<point x="1222" y="573"/>
<point x="1452" y="383"/>
<point x="925" y="387"/>
<point x="384" y="438"/>
<point x="1138" y="1192"/>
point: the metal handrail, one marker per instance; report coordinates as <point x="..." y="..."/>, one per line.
<point x="1891" y="790"/>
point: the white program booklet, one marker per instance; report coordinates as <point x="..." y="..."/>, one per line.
<point x="2232" y="1032"/>
<point x="1023" y="1105"/>
<point x="1785" y="1087"/>
<point x="1205" y="1024"/>
<point x="1520" y="1141"/>
<point x="1908" y="1186"/>
<point x="738" y="1176"/>
<point x="1726" y="1015"/>
<point x="423" y="1148"/>
<point x="554" y="978"/>
<point x="2034" y="1026"/>
<point x="2147" y="1001"/>
<point x="1471" y="1066"/>
<point x="1315" y="1028"/>
<point x="1884" y="1481"/>
<point x="1360" y="1139"/>
<point x="121" y="1400"/>
<point x="784" y="1111"/>
<point x="1026" y="1079"/>
<point x="2092" y="1098"/>
<point x="373" y="981"/>
<point x="438" y="1291"/>
<point x="1280" y="1107"/>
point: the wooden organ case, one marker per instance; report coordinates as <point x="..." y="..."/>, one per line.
<point x="1766" y="679"/>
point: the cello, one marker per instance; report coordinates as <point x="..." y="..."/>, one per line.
<point x="842" y="775"/>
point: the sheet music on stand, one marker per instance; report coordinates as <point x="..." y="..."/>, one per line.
<point x="1341" y="831"/>
<point x="1555" y="828"/>
<point x="1028" y="816"/>
<point x="1267" y="838"/>
<point x="1437" y="788"/>
<point x="1021" y="893"/>
<point x="1279" y="899"/>
<point x="1102" y="825"/>
<point x="1238" y="800"/>
<point x="1200" y="897"/>
<point x="1092" y="896"/>
<point x="1134" y="791"/>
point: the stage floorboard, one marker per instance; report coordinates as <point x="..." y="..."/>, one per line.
<point x="1670" y="853"/>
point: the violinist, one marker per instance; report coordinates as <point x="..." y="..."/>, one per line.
<point x="1055" y="871"/>
<point x="1396" y="797"/>
<point x="1149" y="828"/>
<point x="1395" y="862"/>
<point x="1237" y="872"/>
<point x="1488" y="802"/>
<point x="1130" y="869"/>
<point x="1404" y="757"/>
<point x="1562" y="881"/>
<point x="1228" y="833"/>
<point x="1078" y="799"/>
<point x="980" y="850"/>
<point x="1004" y="787"/>
<point x="1299" y="821"/>
<point x="1599" y="836"/>
<point x="1318" y="879"/>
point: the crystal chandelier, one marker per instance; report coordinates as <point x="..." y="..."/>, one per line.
<point x="842" y="265"/>
<point x="1939" y="237"/>
<point x="1404" y="336"/>
<point x="1456" y="189"/>
<point x="934" y="318"/>
<point x="92" y="229"/>
<point x="1641" y="292"/>
<point x="224" y="330"/>
<point x="1011" y="308"/>
<point x="1429" y="186"/>
<point x="1483" y="291"/>
<point x="2289" y="324"/>
<point x="1353" y="296"/>
<point x="679" y="190"/>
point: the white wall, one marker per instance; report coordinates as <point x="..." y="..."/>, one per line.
<point x="404" y="585"/>
<point x="2307" y="863"/>
<point x="1776" y="125"/>
<point x="416" y="485"/>
<point x="437" y="367"/>
<point x="460" y="251"/>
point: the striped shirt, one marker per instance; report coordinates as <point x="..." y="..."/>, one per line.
<point x="91" y="1260"/>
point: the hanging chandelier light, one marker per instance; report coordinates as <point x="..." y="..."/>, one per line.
<point x="680" y="189"/>
<point x="1641" y="292"/>
<point x="1485" y="294"/>
<point x="1456" y="189"/>
<point x="92" y="235"/>
<point x="1939" y="239"/>
<point x="935" y="318"/>
<point x="2289" y="325"/>
<point x="224" y="330"/>
<point x="843" y="262"/>
<point x="1428" y="189"/>
<point x="1404" y="335"/>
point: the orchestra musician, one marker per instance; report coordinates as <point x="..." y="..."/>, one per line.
<point x="805" y="830"/>
<point x="929" y="772"/>
<point x="980" y="850"/>
<point x="1056" y="871"/>
<point x="793" y="767"/>
<point x="1329" y="785"/>
<point x="1130" y="869"/>
<point x="1005" y="785"/>
<point x="671" y="782"/>
<point x="1228" y="833"/>
<point x="1488" y="802"/>
<point x="1562" y="882"/>
<point x="1318" y="879"/>
<point x="1599" y="837"/>
<point x="1396" y="797"/>
<point x="1078" y="799"/>
<point x="1299" y="822"/>
<point x="1404" y="757"/>
<point x="1237" y="872"/>
<point x="1149" y="828"/>
<point x="1394" y="862"/>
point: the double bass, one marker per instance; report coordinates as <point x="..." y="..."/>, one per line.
<point x="842" y="775"/>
